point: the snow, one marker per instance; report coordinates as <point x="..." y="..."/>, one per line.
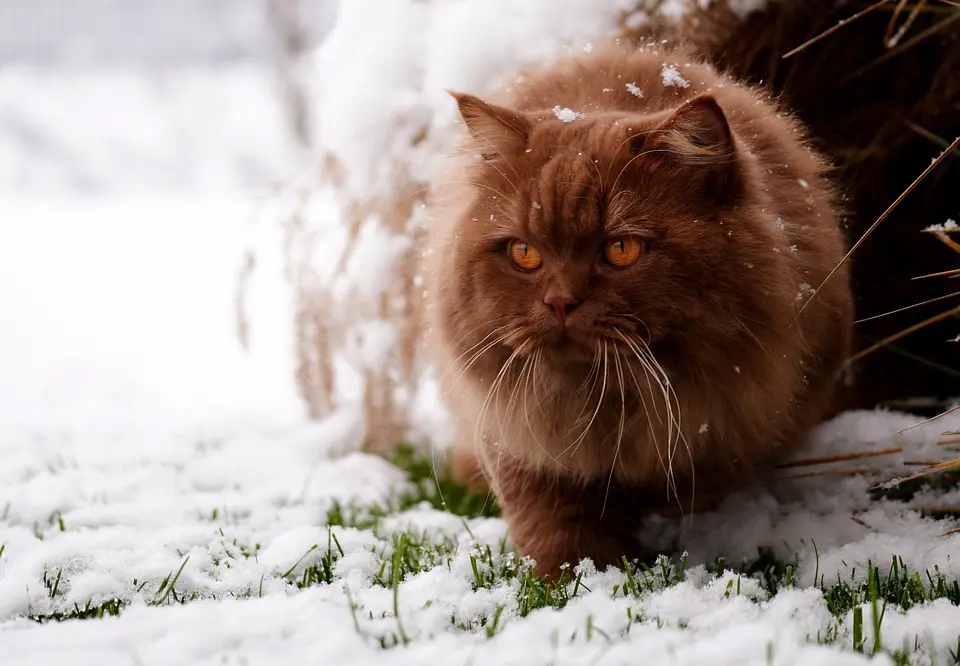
<point x="157" y="32"/>
<point x="139" y="128"/>
<point x="672" y="77"/>
<point x="949" y="225"/>
<point x="140" y="439"/>
<point x="634" y="90"/>
<point x="566" y="115"/>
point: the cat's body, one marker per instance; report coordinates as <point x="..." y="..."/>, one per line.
<point x="613" y="297"/>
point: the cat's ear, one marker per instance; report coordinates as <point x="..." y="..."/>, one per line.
<point x="696" y="137"/>
<point x="498" y="131"/>
<point x="698" y="132"/>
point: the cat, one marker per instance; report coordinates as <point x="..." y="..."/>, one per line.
<point x="615" y="266"/>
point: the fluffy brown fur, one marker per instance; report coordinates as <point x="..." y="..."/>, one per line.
<point x="664" y="383"/>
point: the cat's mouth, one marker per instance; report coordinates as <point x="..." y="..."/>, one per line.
<point x="570" y="345"/>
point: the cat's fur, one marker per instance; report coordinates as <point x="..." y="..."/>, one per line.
<point x="675" y="379"/>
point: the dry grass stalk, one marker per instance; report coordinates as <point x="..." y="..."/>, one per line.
<point x="844" y="471"/>
<point x="842" y="457"/>
<point x="896" y="202"/>
<point x="937" y="468"/>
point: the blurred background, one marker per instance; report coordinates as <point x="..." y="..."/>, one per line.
<point x="106" y="95"/>
<point x="137" y="140"/>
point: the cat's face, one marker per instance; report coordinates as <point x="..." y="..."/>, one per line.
<point x="615" y="232"/>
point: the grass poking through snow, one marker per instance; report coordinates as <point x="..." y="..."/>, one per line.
<point x="402" y="555"/>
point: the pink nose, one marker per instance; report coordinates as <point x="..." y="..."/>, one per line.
<point x="562" y="305"/>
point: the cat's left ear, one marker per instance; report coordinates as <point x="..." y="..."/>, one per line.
<point x="498" y="131"/>
<point x="696" y="137"/>
<point x="698" y="133"/>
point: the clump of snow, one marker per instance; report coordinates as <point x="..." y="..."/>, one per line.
<point x="566" y="115"/>
<point x="949" y="225"/>
<point x="672" y="77"/>
<point x="635" y="90"/>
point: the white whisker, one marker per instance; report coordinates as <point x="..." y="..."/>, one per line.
<point x="623" y="414"/>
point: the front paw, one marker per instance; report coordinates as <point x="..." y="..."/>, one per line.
<point x="558" y="547"/>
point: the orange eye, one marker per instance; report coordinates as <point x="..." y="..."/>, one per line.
<point x="623" y="250"/>
<point x="524" y="256"/>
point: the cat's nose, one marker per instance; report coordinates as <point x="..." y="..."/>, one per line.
<point x="562" y="306"/>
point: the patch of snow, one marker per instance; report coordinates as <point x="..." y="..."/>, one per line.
<point x="949" y="225"/>
<point x="136" y="129"/>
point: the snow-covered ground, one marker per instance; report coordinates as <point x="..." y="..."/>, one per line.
<point x="146" y="457"/>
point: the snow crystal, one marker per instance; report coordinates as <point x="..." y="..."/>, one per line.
<point x="703" y="428"/>
<point x="805" y="290"/>
<point x="566" y="115"/>
<point x="671" y="77"/>
<point x="803" y="183"/>
<point x="634" y="90"/>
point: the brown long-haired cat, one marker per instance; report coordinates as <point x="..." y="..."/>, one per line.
<point x="615" y="269"/>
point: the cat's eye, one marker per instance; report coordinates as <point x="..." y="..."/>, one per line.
<point x="524" y="256"/>
<point x="622" y="250"/>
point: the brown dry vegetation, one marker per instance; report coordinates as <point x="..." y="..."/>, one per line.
<point x="881" y="94"/>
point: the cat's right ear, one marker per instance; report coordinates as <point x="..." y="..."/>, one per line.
<point x="498" y="131"/>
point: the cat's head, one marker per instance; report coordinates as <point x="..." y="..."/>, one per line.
<point x="607" y="229"/>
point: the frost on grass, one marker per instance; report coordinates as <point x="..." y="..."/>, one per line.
<point x="566" y="115"/>
<point x="394" y="554"/>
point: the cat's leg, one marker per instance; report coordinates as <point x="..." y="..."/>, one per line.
<point x="556" y="520"/>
